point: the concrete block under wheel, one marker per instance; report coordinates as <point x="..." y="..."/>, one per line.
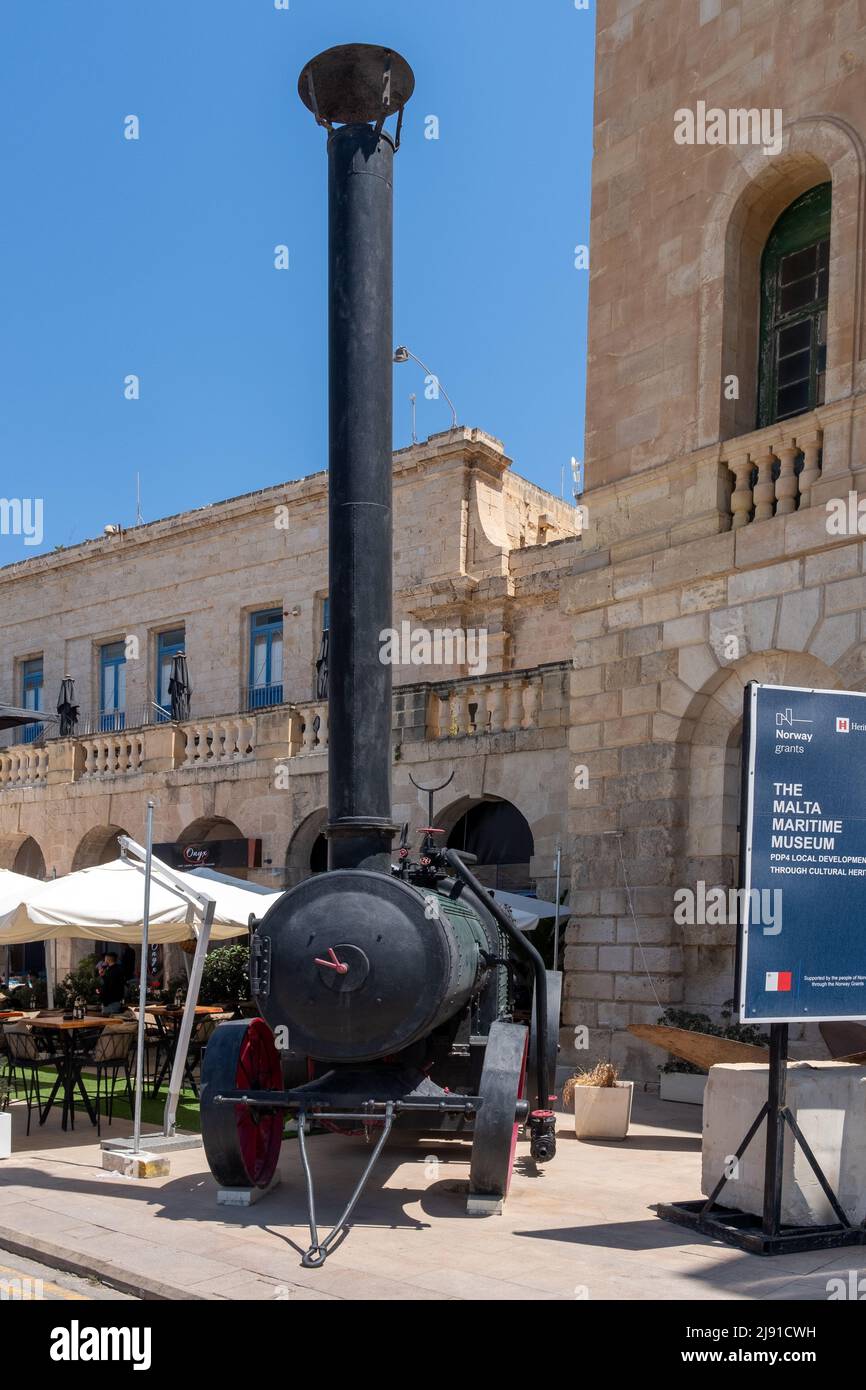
<point x="245" y="1196"/>
<point x="481" y="1204"/>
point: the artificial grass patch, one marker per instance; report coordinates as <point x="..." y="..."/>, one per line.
<point x="152" y="1107"/>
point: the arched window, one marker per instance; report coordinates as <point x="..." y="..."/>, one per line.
<point x="795" y="272"/>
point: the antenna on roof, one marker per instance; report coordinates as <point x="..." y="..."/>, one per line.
<point x="139" y="519"/>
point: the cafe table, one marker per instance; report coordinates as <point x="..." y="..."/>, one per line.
<point x="168" y="1020"/>
<point x="69" y="1061"/>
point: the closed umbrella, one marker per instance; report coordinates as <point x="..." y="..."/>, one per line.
<point x="179" y="688"/>
<point x="67" y="709"/>
<point x="322" y="668"/>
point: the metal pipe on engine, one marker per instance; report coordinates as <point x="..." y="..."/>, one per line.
<point x="352" y="90"/>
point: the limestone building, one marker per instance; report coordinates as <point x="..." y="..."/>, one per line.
<point x="241" y="588"/>
<point x="726" y="407"/>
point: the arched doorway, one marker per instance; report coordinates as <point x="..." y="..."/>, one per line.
<point x="208" y="830"/>
<point x="499" y="836"/>
<point x="308" y="849"/>
<point x="29" y="860"/>
<point x="99" y="846"/>
<point x="22" y="854"/>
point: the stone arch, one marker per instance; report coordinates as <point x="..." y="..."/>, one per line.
<point x="22" y="854"/>
<point x="470" y="822"/>
<point x="98" y="846"/>
<point x="207" y="829"/>
<point x="305" y="847"/>
<point x="816" y="149"/>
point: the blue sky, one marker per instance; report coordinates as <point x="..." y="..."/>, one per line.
<point x="156" y="256"/>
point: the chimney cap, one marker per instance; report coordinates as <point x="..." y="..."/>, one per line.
<point x="355" y="83"/>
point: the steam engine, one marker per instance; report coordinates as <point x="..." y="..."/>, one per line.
<point x="392" y="992"/>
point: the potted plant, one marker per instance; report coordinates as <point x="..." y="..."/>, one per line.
<point x="602" y="1103"/>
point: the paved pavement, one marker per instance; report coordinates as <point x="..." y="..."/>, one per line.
<point x="580" y="1227"/>
<point x="24" y="1280"/>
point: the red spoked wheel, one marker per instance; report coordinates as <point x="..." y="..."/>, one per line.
<point x="242" y="1145"/>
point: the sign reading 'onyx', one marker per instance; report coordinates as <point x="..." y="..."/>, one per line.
<point x="804" y="849"/>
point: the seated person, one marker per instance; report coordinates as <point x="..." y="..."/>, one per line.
<point x="111" y="985"/>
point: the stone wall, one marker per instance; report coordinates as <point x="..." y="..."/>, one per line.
<point x="705" y="559"/>
<point x="677" y="229"/>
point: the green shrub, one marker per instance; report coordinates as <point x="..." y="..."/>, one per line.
<point x="82" y="980"/>
<point x="226" y="976"/>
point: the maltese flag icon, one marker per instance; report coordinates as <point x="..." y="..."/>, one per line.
<point x="778" y="980"/>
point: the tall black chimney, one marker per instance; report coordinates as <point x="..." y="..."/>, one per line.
<point x="352" y="90"/>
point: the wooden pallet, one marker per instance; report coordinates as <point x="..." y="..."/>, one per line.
<point x="701" y="1049"/>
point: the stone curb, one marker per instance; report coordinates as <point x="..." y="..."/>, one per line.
<point x="90" y="1266"/>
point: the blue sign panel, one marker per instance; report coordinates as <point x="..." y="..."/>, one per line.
<point x="802" y="938"/>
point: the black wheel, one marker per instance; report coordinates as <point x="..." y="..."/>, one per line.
<point x="242" y="1146"/>
<point x="494" y="1138"/>
<point x="554" y="1009"/>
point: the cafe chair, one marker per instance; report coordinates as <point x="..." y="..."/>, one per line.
<point x="152" y="1043"/>
<point x="113" y="1053"/>
<point x="201" y="1036"/>
<point x="26" y="1058"/>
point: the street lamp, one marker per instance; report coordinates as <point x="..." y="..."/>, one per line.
<point x="402" y="354"/>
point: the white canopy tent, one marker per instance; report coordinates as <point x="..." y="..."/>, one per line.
<point x="105" y="903"/>
<point x="14" y="888"/>
<point x="116" y="902"/>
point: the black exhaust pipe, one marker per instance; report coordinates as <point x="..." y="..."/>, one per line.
<point x="352" y="90"/>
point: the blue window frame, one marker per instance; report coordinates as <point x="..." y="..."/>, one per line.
<point x="112" y="687"/>
<point x="168" y="645"/>
<point x="32" y="690"/>
<point x="266" y="659"/>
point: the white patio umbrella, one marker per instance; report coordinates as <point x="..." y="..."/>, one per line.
<point x="105" y="903"/>
<point x="14" y="888"/>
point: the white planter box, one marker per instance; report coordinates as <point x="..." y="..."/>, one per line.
<point x="5" y="1134"/>
<point x="682" y="1086"/>
<point x="603" y="1112"/>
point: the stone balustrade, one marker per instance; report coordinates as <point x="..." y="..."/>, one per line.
<point x="23" y="764"/>
<point x="309" y="728"/>
<point x="216" y="742"/>
<point x="774" y="469"/>
<point x="485" y="707"/>
<point x="111" y="755"/>
<point x="506" y="703"/>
